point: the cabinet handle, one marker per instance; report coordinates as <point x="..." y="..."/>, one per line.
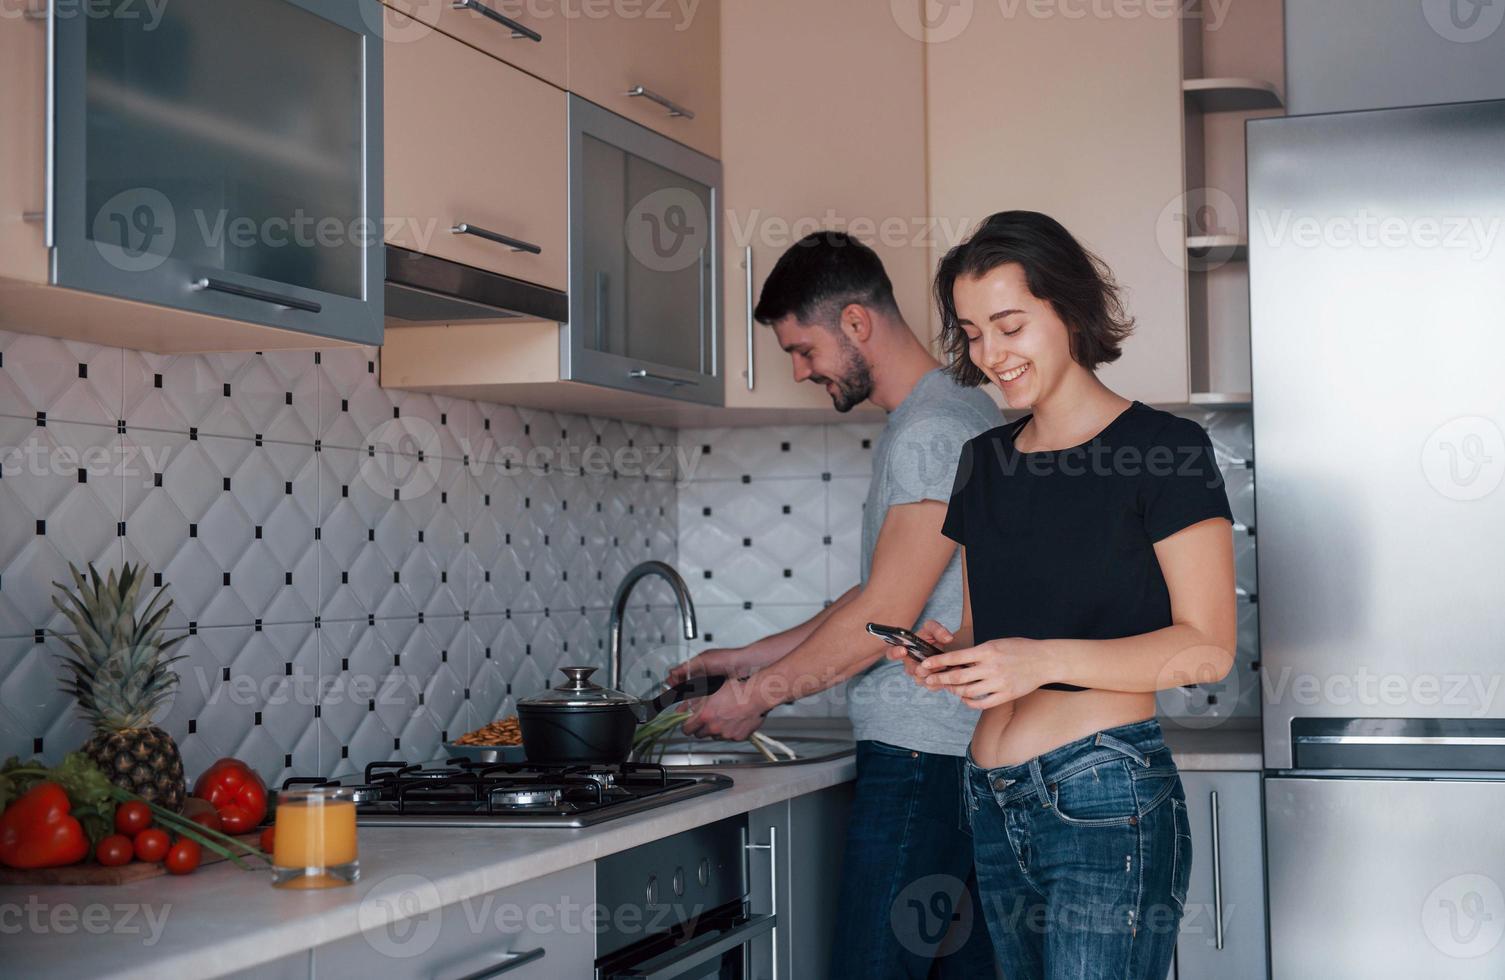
<point x="291" y="302"/>
<point x="510" y="961"/>
<point x="641" y="375"/>
<point x="519" y="31"/>
<point x="516" y="244"/>
<point x="772" y="847"/>
<point x="1217" y="876"/>
<point x="48" y="217"/>
<point x="747" y="282"/>
<point x="676" y="111"/>
<point x="601" y="300"/>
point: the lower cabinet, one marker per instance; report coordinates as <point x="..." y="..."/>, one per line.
<point x="539" y="930"/>
<point x="795" y="873"/>
<point x="1223" y="929"/>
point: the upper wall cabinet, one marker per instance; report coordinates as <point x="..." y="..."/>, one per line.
<point x="213" y="165"/>
<point x="1081" y="118"/>
<point x="851" y="159"/>
<point x="530" y="36"/>
<point x="476" y="167"/>
<point x="655" y="63"/>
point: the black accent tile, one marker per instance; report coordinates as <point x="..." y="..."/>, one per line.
<point x="41" y="526"/>
<point x="156" y="479"/>
<point x="83" y="370"/>
<point x="83" y="475"/>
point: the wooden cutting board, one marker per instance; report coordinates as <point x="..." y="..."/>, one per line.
<point x="89" y="873"/>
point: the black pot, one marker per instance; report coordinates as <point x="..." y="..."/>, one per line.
<point x="582" y="723"/>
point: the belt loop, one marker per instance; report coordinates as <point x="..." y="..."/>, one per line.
<point x="1038" y="778"/>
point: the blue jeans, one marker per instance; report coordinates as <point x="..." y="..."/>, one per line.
<point x="907" y="874"/>
<point x="1083" y="857"/>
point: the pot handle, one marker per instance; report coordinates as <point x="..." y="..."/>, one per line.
<point x="699" y="686"/>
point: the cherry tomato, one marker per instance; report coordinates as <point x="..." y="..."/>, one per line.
<point x="114" y="851"/>
<point x="210" y="819"/>
<point x="268" y="839"/>
<point x="132" y="818"/>
<point x="184" y="856"/>
<point x="151" y="844"/>
<point x="236" y="820"/>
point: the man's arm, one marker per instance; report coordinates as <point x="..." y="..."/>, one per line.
<point x="739" y="661"/>
<point x="908" y="561"/>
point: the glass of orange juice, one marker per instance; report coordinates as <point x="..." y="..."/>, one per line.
<point x="314" y="846"/>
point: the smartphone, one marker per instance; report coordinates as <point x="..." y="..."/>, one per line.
<point x="898" y="636"/>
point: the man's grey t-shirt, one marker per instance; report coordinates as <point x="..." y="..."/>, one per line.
<point x="915" y="459"/>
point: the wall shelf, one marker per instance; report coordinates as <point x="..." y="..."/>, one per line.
<point x="1230" y="94"/>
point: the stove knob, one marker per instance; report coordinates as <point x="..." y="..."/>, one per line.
<point x="652" y="892"/>
<point x="679" y="882"/>
<point x="703" y="875"/>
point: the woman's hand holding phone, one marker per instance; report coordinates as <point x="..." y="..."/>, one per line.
<point x="984" y="676"/>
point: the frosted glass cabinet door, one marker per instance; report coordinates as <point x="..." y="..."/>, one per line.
<point x="224" y="158"/>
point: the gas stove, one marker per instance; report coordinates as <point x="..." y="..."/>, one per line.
<point x="463" y="793"/>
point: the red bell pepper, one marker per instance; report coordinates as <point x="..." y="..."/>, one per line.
<point x="36" y="831"/>
<point x="237" y="793"/>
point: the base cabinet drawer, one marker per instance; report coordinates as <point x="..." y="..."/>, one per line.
<point x="539" y="930"/>
<point x="1223" y="928"/>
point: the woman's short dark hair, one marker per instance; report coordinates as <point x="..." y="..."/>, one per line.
<point x="1057" y="269"/>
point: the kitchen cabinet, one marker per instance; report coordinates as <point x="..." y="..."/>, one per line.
<point x="476" y="161"/>
<point x="851" y="159"/>
<point x="539" y="930"/>
<point x="657" y="64"/>
<point x="529" y="36"/>
<point x="1079" y="117"/>
<point x="205" y="195"/>
<point x="795" y="870"/>
<point x="1226" y="814"/>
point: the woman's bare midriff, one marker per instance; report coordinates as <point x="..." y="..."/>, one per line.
<point x="1043" y="720"/>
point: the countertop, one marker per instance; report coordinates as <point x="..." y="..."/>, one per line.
<point x="221" y="919"/>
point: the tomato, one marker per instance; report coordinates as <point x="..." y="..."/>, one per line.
<point x="210" y="819"/>
<point x="132" y="818"/>
<point x="114" y="851"/>
<point x="268" y="839"/>
<point x="237" y="820"/>
<point x="232" y="783"/>
<point x="151" y="844"/>
<point x="184" y="856"/>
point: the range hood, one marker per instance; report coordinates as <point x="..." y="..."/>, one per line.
<point x="425" y="289"/>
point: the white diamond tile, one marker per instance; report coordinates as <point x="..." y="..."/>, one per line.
<point x="42" y="374"/>
<point x="775" y="451"/>
<point x="845" y="497"/>
<point x="849" y="449"/>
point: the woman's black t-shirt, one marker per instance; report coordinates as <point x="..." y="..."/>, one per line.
<point x="1060" y="544"/>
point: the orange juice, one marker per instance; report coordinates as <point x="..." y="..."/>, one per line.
<point x="315" y="843"/>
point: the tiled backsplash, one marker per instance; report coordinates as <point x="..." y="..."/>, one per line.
<point x="770" y="529"/>
<point x="363" y="572"/>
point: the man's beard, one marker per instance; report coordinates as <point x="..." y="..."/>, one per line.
<point x="855" y="385"/>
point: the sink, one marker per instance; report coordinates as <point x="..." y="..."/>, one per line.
<point x="695" y="753"/>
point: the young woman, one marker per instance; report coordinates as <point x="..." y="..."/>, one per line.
<point x="1099" y="567"/>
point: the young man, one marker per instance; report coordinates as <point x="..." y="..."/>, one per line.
<point x="832" y="306"/>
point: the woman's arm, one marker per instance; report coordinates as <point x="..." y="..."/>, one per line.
<point x="1198" y="647"/>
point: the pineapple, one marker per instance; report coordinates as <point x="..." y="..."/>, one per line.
<point x="121" y="677"/>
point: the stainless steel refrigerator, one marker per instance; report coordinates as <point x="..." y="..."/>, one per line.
<point x="1377" y="272"/>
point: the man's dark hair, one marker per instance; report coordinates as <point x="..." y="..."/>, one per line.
<point x="1057" y="268"/>
<point x="819" y="276"/>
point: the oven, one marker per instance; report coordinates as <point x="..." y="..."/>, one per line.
<point x="677" y="908"/>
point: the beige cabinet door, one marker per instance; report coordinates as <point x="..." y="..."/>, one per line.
<point x="1080" y="118"/>
<point x="474" y="143"/>
<point x="846" y="154"/>
<point x="23" y="140"/>
<point x="530" y="36"/>
<point x="668" y="52"/>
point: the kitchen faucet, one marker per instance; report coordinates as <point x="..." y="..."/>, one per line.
<point x="619" y="608"/>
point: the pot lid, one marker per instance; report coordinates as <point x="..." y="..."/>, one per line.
<point x="579" y="691"/>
